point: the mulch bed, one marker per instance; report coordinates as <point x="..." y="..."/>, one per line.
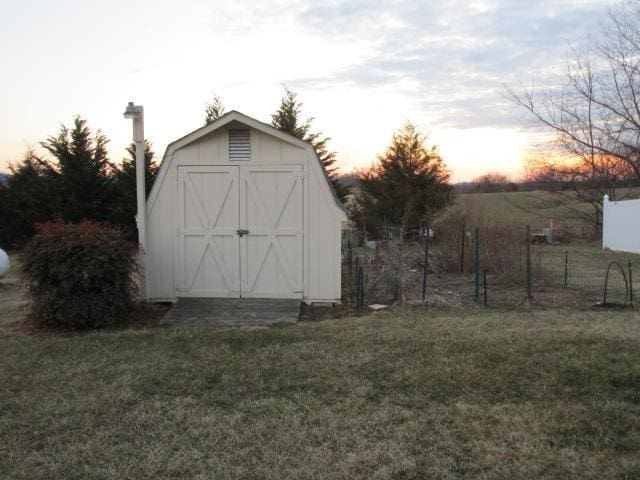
<point x="141" y="316"/>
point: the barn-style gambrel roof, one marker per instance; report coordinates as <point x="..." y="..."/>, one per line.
<point x="225" y="120"/>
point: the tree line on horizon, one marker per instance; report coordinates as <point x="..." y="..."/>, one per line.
<point x="74" y="179"/>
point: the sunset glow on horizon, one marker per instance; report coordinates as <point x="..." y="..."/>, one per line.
<point x="361" y="70"/>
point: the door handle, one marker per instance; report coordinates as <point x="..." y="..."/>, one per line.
<point x="242" y="232"/>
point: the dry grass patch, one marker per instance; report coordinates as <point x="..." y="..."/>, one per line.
<point x="420" y="394"/>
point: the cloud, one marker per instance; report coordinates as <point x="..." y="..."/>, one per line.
<point x="451" y="58"/>
<point x="361" y="67"/>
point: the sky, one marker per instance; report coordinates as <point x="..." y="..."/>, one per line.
<point x="361" y="68"/>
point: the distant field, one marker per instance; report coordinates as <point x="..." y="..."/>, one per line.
<point x="523" y="208"/>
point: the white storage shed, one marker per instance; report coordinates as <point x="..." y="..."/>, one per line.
<point x="241" y="209"/>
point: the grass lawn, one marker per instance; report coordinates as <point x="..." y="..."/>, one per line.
<point x="420" y="394"/>
<point x="587" y="266"/>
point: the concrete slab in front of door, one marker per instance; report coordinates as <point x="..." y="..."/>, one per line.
<point x="232" y="311"/>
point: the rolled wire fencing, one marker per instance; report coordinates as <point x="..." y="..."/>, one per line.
<point x="513" y="270"/>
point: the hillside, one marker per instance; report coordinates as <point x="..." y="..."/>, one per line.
<point x="537" y="209"/>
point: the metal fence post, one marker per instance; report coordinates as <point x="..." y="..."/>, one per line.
<point x="566" y="267"/>
<point x="360" y="289"/>
<point x="630" y="285"/>
<point x="528" y="262"/>
<point x="357" y="266"/>
<point x="477" y="264"/>
<point x="357" y="278"/>
<point x="349" y="255"/>
<point x="464" y="234"/>
<point x="426" y="264"/>
<point x="484" y="285"/>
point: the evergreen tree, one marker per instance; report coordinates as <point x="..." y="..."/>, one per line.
<point x="288" y="118"/>
<point x="81" y="184"/>
<point x="213" y="110"/>
<point x="84" y="172"/>
<point x="30" y="196"/>
<point x="407" y="186"/>
<point x="125" y="205"/>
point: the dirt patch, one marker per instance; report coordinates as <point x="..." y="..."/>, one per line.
<point x="311" y="313"/>
<point x="146" y="315"/>
<point x="141" y="316"/>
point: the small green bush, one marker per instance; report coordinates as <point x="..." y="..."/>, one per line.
<point x="78" y="275"/>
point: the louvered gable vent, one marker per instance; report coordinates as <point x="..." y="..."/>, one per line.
<point x="239" y="145"/>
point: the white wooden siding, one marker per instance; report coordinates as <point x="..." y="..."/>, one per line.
<point x="208" y="252"/>
<point x="278" y="159"/>
<point x="272" y="213"/>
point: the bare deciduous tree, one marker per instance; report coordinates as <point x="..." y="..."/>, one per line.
<point x="493" y="182"/>
<point x="594" y="116"/>
<point x="578" y="185"/>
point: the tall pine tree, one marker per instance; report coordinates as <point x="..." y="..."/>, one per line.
<point x="125" y="205"/>
<point x="79" y="183"/>
<point x="213" y="110"/>
<point x="30" y="196"/>
<point x="407" y="186"/>
<point x="288" y="118"/>
<point x="85" y="181"/>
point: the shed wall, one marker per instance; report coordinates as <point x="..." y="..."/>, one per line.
<point x="323" y="240"/>
<point x="322" y="216"/>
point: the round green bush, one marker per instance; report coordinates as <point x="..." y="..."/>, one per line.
<point x="78" y="275"/>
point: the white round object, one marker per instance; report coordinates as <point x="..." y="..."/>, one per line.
<point x="4" y="263"/>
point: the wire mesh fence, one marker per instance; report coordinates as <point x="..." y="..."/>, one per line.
<point x="485" y="266"/>
<point x="586" y="273"/>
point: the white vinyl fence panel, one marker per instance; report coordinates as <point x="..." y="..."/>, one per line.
<point x="621" y="225"/>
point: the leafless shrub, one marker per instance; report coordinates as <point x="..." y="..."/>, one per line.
<point x="502" y="246"/>
<point x="397" y="265"/>
<point x="451" y="231"/>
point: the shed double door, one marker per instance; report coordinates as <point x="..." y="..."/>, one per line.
<point x="240" y="231"/>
